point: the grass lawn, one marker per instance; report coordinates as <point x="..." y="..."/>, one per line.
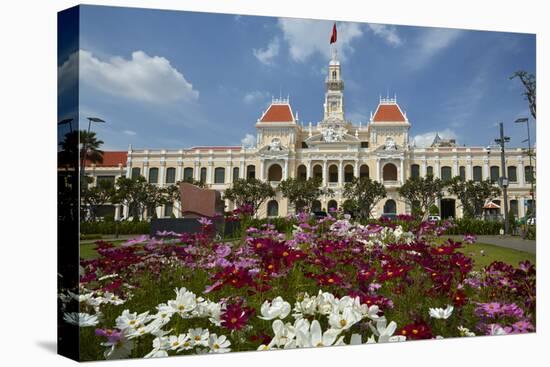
<point x="490" y="253"/>
<point x="494" y="253"/>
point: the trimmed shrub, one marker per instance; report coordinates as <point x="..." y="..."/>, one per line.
<point x="103" y="228"/>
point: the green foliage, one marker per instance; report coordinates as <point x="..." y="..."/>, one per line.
<point x="475" y="226"/>
<point x="362" y="195"/>
<point x="434" y="210"/>
<point x="249" y="191"/>
<point x="473" y="195"/>
<point x="422" y="193"/>
<point x="301" y="193"/>
<point x="129" y="227"/>
<point x="101" y="194"/>
<point x="529" y="82"/>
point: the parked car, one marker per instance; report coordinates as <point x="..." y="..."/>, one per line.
<point x="434" y="218"/>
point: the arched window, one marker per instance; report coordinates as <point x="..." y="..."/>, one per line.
<point x="274" y="173"/>
<point x="446" y="173"/>
<point x="235" y="173"/>
<point x="188" y="174"/>
<point x="348" y="173"/>
<point x="462" y="172"/>
<point x="389" y="172"/>
<point x="429" y="171"/>
<point x="203" y="175"/>
<point x="495" y="173"/>
<point x="170" y="175"/>
<point x="390" y="207"/>
<point x="514" y="208"/>
<point x="251" y="171"/>
<point x="318" y="171"/>
<point x="512" y="174"/>
<point x="272" y="208"/>
<point x="219" y="175"/>
<point x="364" y="171"/>
<point x="316" y="206"/>
<point x="478" y="177"/>
<point x="334" y="75"/>
<point x="332" y="205"/>
<point x="333" y="173"/>
<point x="529" y="174"/>
<point x="153" y="175"/>
<point x="301" y="172"/>
<point x="415" y="171"/>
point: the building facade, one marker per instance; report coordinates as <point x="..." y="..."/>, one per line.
<point x="334" y="149"/>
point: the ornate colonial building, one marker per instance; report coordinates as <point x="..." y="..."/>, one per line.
<point x="334" y="150"/>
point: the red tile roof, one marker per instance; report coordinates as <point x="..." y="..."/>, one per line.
<point x="112" y="159"/>
<point x="388" y="112"/>
<point x="278" y="113"/>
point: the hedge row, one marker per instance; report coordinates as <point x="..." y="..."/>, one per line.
<point x="110" y="227"/>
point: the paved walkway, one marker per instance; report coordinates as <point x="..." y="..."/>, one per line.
<point x="110" y="238"/>
<point x="513" y="242"/>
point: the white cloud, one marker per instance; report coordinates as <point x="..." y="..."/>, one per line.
<point x="129" y="132"/>
<point x="142" y="77"/>
<point x="255" y="97"/>
<point x="266" y="55"/>
<point x="248" y="141"/>
<point x="387" y="33"/>
<point x="430" y="43"/>
<point x="306" y="37"/>
<point x="426" y="139"/>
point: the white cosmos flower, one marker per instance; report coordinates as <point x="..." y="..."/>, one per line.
<point x="129" y="320"/>
<point x="385" y="332"/>
<point x="219" y="344"/>
<point x="496" y="330"/>
<point x="156" y="354"/>
<point x="440" y="313"/>
<point x="465" y="331"/>
<point x="315" y="337"/>
<point x="160" y="345"/>
<point x="119" y="349"/>
<point x="112" y="298"/>
<point x="307" y="306"/>
<point x="326" y="302"/>
<point x="80" y="319"/>
<point x="179" y="342"/>
<point x="344" y="320"/>
<point x="277" y="308"/>
<point x="164" y="313"/>
<point x="184" y="303"/>
<point x="284" y="334"/>
<point x="199" y="336"/>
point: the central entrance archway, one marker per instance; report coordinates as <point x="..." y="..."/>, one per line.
<point x="448" y="208"/>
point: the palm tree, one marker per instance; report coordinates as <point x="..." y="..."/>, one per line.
<point x="90" y="151"/>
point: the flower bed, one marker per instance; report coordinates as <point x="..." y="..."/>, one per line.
<point x="330" y="282"/>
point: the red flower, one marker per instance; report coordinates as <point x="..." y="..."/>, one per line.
<point x="417" y="330"/>
<point x="236" y="316"/>
<point x="459" y="298"/>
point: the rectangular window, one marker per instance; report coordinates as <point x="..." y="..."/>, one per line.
<point x="415" y="171"/>
<point x="446" y="173"/>
<point x="462" y="172"/>
<point x="219" y="175"/>
<point x="136" y="172"/>
<point x="153" y="175"/>
<point x="235" y="173"/>
<point x="512" y="174"/>
<point x="495" y="173"/>
<point x="477" y="174"/>
<point x="168" y="210"/>
<point x="188" y="174"/>
<point x="528" y="174"/>
<point x="171" y="175"/>
<point x="430" y="171"/>
<point x="203" y="175"/>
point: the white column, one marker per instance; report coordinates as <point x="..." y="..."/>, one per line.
<point x="325" y="172"/>
<point x="146" y="171"/>
<point x="197" y="171"/>
<point x="455" y="168"/>
<point x="162" y="179"/>
<point x="285" y="170"/>
<point x="242" y="170"/>
<point x="486" y="174"/>
<point x="402" y="171"/>
<point x="437" y="169"/>
<point x="356" y="171"/>
<point x="117" y="212"/>
<point x="308" y="169"/>
<point x="521" y="173"/>
<point x="210" y="173"/>
<point x="469" y="173"/>
<point x="340" y="173"/>
<point x="179" y="170"/>
<point x="378" y="170"/>
<point x="262" y="168"/>
<point x="229" y="172"/>
<point x="424" y="168"/>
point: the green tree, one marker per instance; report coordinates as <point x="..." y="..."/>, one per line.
<point x="473" y="194"/>
<point x="90" y="150"/>
<point x="301" y="193"/>
<point x="422" y="192"/>
<point x="362" y="195"/>
<point x="530" y="84"/>
<point x="249" y="191"/>
<point x="132" y="192"/>
<point x="98" y="195"/>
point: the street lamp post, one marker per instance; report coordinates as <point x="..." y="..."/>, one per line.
<point x="531" y="170"/>
<point x="503" y="179"/>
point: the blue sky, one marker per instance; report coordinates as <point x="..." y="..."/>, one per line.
<point x="172" y="79"/>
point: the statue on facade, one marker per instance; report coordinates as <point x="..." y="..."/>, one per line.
<point x="390" y="144"/>
<point x="275" y="145"/>
<point x="332" y="134"/>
